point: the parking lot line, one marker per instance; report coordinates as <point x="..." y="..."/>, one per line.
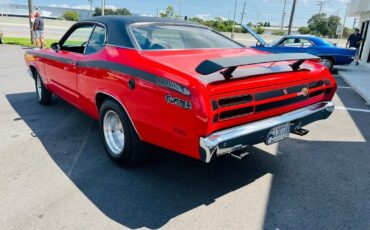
<point x="344" y="87"/>
<point x="353" y="109"/>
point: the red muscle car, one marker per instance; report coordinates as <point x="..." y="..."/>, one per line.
<point x="181" y="86"/>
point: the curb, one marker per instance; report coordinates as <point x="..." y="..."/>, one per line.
<point x="363" y="95"/>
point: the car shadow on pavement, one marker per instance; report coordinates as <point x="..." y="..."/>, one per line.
<point x="324" y="184"/>
<point x="316" y="184"/>
<point x="166" y="186"/>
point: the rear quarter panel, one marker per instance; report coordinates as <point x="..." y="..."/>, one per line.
<point x="156" y="121"/>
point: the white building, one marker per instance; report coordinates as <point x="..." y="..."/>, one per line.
<point x="361" y="9"/>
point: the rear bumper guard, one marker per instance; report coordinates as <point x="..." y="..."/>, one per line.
<point x="233" y="139"/>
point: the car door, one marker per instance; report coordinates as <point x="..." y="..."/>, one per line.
<point x="61" y="67"/>
<point x="307" y="46"/>
<point x="291" y="45"/>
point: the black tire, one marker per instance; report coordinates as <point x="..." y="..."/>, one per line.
<point x="133" y="148"/>
<point x="43" y="95"/>
<point x="329" y="63"/>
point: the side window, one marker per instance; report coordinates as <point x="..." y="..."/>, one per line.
<point x="78" y="39"/>
<point x="97" y="40"/>
<point x="305" y="43"/>
<point x="291" y="42"/>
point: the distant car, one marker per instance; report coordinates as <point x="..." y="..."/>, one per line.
<point x="181" y="86"/>
<point x="330" y="54"/>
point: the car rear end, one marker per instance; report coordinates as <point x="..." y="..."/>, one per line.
<point x="265" y="106"/>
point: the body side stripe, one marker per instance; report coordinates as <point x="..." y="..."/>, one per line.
<point x="122" y="69"/>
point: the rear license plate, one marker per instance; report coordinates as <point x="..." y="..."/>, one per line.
<point x="278" y="133"/>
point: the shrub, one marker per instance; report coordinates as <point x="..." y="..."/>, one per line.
<point x="278" y="32"/>
<point x="71" y="15"/>
<point x="259" y="30"/>
<point x="304" y="30"/>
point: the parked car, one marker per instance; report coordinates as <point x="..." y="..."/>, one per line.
<point x="179" y="85"/>
<point x="329" y="53"/>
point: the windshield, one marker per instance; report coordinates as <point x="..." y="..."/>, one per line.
<point x="154" y="37"/>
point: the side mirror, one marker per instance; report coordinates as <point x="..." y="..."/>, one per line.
<point x="55" y="46"/>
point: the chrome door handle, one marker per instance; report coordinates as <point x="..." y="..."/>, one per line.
<point x="71" y="62"/>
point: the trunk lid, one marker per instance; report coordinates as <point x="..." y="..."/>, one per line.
<point x="256" y="91"/>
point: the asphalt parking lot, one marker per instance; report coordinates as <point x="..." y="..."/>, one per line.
<point x="55" y="174"/>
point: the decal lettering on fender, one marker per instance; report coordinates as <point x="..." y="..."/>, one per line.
<point x="179" y="102"/>
<point x="172" y="85"/>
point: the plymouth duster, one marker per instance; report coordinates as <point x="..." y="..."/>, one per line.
<point x="181" y="86"/>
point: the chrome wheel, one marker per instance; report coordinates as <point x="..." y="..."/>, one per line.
<point x="38" y="87"/>
<point x="326" y="62"/>
<point x="113" y="132"/>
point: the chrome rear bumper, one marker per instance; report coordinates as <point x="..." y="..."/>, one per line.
<point x="236" y="138"/>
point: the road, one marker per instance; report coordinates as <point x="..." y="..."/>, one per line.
<point x="22" y="30"/>
<point x="55" y="174"/>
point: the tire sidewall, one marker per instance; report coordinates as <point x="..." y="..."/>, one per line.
<point x="45" y="95"/>
<point x="331" y="62"/>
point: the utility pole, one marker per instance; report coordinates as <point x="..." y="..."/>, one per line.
<point x="102" y="7"/>
<point x="180" y="8"/>
<point x="320" y="3"/>
<point x="232" y="29"/>
<point x="344" y="21"/>
<point x="291" y="17"/>
<point x="243" y="12"/>
<point x="283" y="17"/>
<point x="354" y="23"/>
<point x="30" y="6"/>
<point x="157" y="12"/>
<point x="90" y="1"/>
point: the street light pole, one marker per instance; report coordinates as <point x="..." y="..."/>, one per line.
<point x="30" y="6"/>
<point x="291" y="17"/>
<point x="90" y="1"/>
<point x="232" y="29"/>
<point x="102" y="7"/>
<point x="344" y="21"/>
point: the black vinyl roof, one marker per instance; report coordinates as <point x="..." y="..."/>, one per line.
<point x="118" y="27"/>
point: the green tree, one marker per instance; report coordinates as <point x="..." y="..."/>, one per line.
<point x="109" y="11"/>
<point x="318" y="24"/>
<point x="304" y="30"/>
<point x="346" y="32"/>
<point x="333" y="23"/>
<point x="71" y="15"/>
<point x="169" y="12"/>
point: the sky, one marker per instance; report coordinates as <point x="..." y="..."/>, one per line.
<point x="255" y="10"/>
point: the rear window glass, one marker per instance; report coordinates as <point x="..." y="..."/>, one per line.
<point x="154" y="37"/>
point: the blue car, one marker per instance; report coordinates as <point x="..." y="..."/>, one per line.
<point x="329" y="53"/>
